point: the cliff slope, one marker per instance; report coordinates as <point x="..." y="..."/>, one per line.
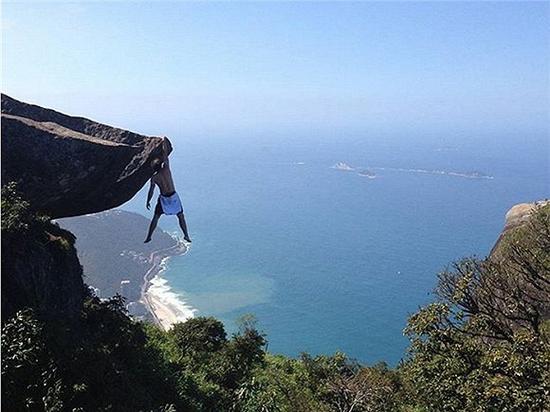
<point x="111" y="251"/>
<point x="40" y="267"/>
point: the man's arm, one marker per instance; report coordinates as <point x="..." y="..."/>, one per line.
<point x="166" y="149"/>
<point x="150" y="194"/>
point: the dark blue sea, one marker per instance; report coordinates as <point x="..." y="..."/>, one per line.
<point x="331" y="260"/>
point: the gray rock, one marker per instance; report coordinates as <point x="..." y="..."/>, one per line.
<point x="69" y="166"/>
<point x="516" y="217"/>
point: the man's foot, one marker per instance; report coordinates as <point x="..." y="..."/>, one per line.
<point x="187" y="239"/>
<point x="147" y="240"/>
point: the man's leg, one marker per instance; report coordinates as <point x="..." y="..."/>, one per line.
<point x="152" y="227"/>
<point x="183" y="225"/>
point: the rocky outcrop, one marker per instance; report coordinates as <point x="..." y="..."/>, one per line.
<point x="63" y="166"/>
<point x="69" y="166"/>
<point x="516" y="217"/>
<point x="520" y="213"/>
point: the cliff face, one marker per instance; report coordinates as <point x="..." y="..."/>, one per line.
<point x="45" y="275"/>
<point x="40" y="267"/>
<point x="69" y="166"/>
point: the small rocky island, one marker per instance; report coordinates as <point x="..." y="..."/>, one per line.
<point x="342" y="166"/>
<point x="367" y="173"/>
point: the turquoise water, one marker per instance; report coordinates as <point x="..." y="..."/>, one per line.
<point x="329" y="260"/>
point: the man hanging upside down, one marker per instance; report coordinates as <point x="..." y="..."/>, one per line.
<point x="168" y="202"/>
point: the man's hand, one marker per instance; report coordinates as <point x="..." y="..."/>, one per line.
<point x="166" y="146"/>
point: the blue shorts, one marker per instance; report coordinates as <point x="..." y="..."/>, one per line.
<point x="168" y="204"/>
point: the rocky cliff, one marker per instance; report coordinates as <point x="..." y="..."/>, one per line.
<point x="69" y="166"/>
<point x="62" y="166"/>
<point x="40" y="267"/>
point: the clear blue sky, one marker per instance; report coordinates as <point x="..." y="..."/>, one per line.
<point x="221" y="68"/>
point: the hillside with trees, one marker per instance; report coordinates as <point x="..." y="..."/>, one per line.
<point x="482" y="345"/>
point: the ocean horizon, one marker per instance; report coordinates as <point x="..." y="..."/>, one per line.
<point x="336" y="260"/>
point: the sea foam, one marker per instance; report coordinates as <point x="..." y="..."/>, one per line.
<point x="173" y="301"/>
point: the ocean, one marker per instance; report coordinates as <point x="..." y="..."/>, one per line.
<point x="330" y="260"/>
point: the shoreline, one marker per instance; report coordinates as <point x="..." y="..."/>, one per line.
<point x="164" y="314"/>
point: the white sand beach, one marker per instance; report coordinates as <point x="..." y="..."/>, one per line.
<point x="165" y="306"/>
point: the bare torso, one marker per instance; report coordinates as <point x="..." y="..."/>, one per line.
<point x="163" y="179"/>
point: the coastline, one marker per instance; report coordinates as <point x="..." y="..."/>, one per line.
<point x="165" y="311"/>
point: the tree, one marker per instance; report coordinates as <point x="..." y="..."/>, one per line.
<point x="484" y="344"/>
<point x="26" y="371"/>
<point x="199" y="335"/>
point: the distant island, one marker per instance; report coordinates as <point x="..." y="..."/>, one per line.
<point x="367" y="173"/>
<point x="468" y="175"/>
<point x="471" y="175"/>
<point x="343" y="167"/>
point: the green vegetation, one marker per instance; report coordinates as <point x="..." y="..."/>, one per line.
<point x="105" y="361"/>
<point x="483" y="345"/>
<point x="99" y="362"/>
<point x="16" y="213"/>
